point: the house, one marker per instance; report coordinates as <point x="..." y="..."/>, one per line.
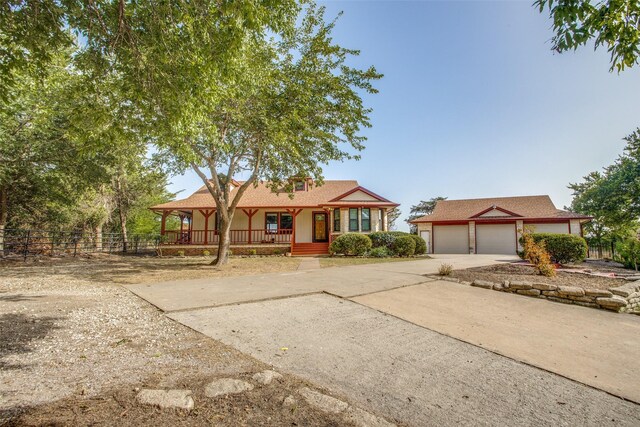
<point x="493" y="225"/>
<point x="303" y="222"/>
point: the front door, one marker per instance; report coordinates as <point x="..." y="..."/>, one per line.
<point x="320" y="228"/>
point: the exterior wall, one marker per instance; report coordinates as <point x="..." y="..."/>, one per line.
<point x="375" y="220"/>
<point x="426" y="226"/>
<point x="559" y="228"/>
<point x="472" y="237"/>
<point x="574" y="226"/>
<point x="304" y="226"/>
<point x="519" y="230"/>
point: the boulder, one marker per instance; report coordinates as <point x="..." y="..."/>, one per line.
<point x="516" y="284"/>
<point x="613" y="303"/>
<point x="528" y="292"/>
<point x="482" y="284"/>
<point x="322" y="401"/>
<point x="570" y="291"/>
<point x="226" y="386"/>
<point x="597" y="293"/>
<point x="265" y="377"/>
<point x="544" y="287"/>
<point x="166" y="399"/>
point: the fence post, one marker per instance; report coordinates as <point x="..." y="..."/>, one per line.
<point x="26" y="244"/>
<point x="110" y="242"/>
<point x="75" y="246"/>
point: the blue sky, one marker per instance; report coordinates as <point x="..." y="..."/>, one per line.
<point x="475" y="104"/>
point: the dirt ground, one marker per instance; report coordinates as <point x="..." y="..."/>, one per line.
<point x="75" y="348"/>
<point x="524" y="272"/>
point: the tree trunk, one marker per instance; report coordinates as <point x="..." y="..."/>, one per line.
<point x="224" y="240"/>
<point x="4" y="213"/>
<point x="123" y="215"/>
<point x="98" y="233"/>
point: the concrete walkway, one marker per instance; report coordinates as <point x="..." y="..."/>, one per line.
<point x="341" y="281"/>
<point x="423" y="351"/>
<point x="595" y="347"/>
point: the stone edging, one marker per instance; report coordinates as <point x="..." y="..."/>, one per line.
<point x="622" y="299"/>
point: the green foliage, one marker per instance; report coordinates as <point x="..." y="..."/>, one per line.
<point x="392" y="217"/>
<point x="612" y="196"/>
<point x="180" y="253"/>
<point x="629" y="252"/>
<point x="379" y="252"/>
<point x="536" y="253"/>
<point x="206" y="253"/>
<point x="421" y="245"/>
<point x="353" y="244"/>
<point x="445" y="269"/>
<point x="382" y="239"/>
<point x="252" y="252"/>
<point x="563" y="248"/>
<point x="610" y="23"/>
<point x="425" y="207"/>
<point x="404" y="246"/>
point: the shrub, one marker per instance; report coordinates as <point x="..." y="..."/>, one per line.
<point x="382" y="239"/>
<point x="206" y="253"/>
<point x="180" y="253"/>
<point x="445" y="269"/>
<point x="562" y="248"/>
<point x="379" y="252"/>
<point x="629" y="253"/>
<point x="536" y="253"/>
<point x="421" y="245"/>
<point x="404" y="246"/>
<point x="351" y="244"/>
<point x="253" y="252"/>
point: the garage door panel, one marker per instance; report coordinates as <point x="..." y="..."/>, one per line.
<point x="451" y="239"/>
<point x="548" y="228"/>
<point x="496" y="238"/>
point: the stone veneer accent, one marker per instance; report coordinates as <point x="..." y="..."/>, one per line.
<point x="622" y="299"/>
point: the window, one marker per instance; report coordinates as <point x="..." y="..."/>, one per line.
<point x="286" y="221"/>
<point x="275" y="221"/>
<point x="353" y="219"/>
<point x="336" y="219"/>
<point x="299" y="186"/>
<point x="366" y="219"/>
<point x="271" y="220"/>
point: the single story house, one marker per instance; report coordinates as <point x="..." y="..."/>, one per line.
<point x="303" y="222"/>
<point x="492" y="225"/>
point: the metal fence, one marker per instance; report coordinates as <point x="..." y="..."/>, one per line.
<point x="27" y="243"/>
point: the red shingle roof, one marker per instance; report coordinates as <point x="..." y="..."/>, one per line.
<point x="519" y="207"/>
<point x="261" y="196"/>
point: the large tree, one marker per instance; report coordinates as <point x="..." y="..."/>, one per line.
<point x="613" y="24"/>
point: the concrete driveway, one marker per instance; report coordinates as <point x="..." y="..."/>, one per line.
<point x="420" y="351"/>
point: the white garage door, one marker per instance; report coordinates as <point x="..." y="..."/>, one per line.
<point x="548" y="228"/>
<point x="496" y="238"/>
<point x="451" y="239"/>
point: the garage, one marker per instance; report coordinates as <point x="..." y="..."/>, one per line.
<point x="561" y="228"/>
<point x="496" y="238"/>
<point x="451" y="239"/>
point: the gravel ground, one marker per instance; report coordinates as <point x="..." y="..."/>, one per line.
<point x="500" y="272"/>
<point x="75" y="348"/>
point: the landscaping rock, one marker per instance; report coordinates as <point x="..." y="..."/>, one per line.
<point x="482" y="284"/>
<point x="505" y="283"/>
<point x="498" y="287"/>
<point x="613" y="303"/>
<point x="265" y="377"/>
<point x="519" y="285"/>
<point x="166" y="399"/>
<point x="573" y="291"/>
<point x="226" y="386"/>
<point x="597" y="293"/>
<point x="528" y="292"/>
<point x="562" y="300"/>
<point x="289" y="401"/>
<point x="583" y="299"/>
<point x="550" y="293"/>
<point x="625" y="290"/>
<point x="632" y="278"/>
<point x="322" y="401"/>
<point x="544" y="287"/>
<point x="362" y="418"/>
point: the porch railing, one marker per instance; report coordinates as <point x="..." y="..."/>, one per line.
<point x="237" y="237"/>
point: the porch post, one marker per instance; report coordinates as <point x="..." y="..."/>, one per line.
<point x="163" y="223"/>
<point x="250" y="213"/>
<point x="294" y="213"/>
<point x="181" y="224"/>
<point x="206" y="213"/>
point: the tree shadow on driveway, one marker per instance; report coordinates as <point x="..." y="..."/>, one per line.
<point x="18" y="332"/>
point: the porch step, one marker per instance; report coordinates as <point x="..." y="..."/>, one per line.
<point x="302" y="249"/>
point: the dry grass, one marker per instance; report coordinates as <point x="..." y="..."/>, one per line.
<point x="135" y="269"/>
<point x="346" y="261"/>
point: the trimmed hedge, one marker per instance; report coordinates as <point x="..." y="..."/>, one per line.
<point x="351" y="244"/>
<point x="404" y="246"/>
<point x="421" y="245"/>
<point x="381" y="239"/>
<point x="563" y="248"/>
<point x="379" y="252"/>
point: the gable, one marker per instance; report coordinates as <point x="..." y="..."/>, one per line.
<point x="494" y="213"/>
<point x="360" y="196"/>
